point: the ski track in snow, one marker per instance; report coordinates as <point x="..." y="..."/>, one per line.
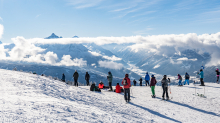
<point x="26" y="97"/>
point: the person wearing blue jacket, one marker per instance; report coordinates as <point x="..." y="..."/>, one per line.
<point x="201" y="77"/>
<point x="147" y="78"/>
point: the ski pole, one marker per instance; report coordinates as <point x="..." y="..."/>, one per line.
<point x="131" y="92"/>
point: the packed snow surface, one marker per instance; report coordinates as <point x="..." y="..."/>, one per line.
<point x="26" y="97"/>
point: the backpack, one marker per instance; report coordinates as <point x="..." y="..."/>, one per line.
<point x="125" y="81"/>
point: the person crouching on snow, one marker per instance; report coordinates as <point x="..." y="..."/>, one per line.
<point x="118" y="88"/>
<point x="153" y="82"/>
<point x="127" y="84"/>
<point x="164" y="83"/>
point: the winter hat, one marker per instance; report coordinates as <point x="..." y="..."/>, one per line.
<point x="147" y="73"/>
<point x="126" y="75"/>
<point x="217" y="69"/>
<point x="117" y="83"/>
<point x="109" y="72"/>
<point x="200" y="69"/>
<point x="164" y="76"/>
<point x="152" y="75"/>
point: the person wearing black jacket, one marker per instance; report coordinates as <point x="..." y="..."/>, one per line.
<point x="87" y="77"/>
<point x="217" y="74"/>
<point x="164" y="83"/>
<point x="134" y="82"/>
<point x="186" y="78"/>
<point x="140" y="81"/>
<point x="75" y="75"/>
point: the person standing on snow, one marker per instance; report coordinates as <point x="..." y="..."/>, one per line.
<point x="164" y="83"/>
<point x="126" y="83"/>
<point x="140" y="81"/>
<point x="63" y="78"/>
<point x="87" y="77"/>
<point x="201" y="77"/>
<point x="76" y="75"/>
<point x="110" y="78"/>
<point x="153" y="82"/>
<point x="134" y="82"/>
<point x="147" y="78"/>
<point x="186" y="78"/>
<point x="180" y="80"/>
<point x="217" y="74"/>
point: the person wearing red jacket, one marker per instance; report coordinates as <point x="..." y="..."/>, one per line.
<point x="118" y="88"/>
<point x="153" y="82"/>
<point x="127" y="84"/>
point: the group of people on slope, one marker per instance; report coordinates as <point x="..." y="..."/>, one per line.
<point x="147" y="79"/>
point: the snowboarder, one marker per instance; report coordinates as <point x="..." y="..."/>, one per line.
<point x="126" y="83"/>
<point x="140" y="81"/>
<point x="94" y="88"/>
<point x="153" y="82"/>
<point x="118" y="88"/>
<point x="110" y="77"/>
<point x="87" y="77"/>
<point x="134" y="82"/>
<point x="147" y="78"/>
<point x="186" y="78"/>
<point x="201" y="77"/>
<point x="165" y="82"/>
<point x="180" y="80"/>
<point x="76" y="75"/>
<point x="217" y="74"/>
<point x="63" y="78"/>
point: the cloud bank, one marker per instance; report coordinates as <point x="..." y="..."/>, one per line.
<point x="165" y="45"/>
<point x="1" y="30"/>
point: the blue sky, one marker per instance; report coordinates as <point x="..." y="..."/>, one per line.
<point x="94" y="18"/>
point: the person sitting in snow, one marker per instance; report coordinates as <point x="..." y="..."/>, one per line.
<point x="118" y="88"/>
<point x="63" y="78"/>
<point x="140" y="81"/>
<point x="94" y="88"/>
<point x="164" y="83"/>
<point x="101" y="85"/>
<point x="153" y="82"/>
<point x="147" y="78"/>
<point x="134" y="82"/>
<point x="186" y="78"/>
<point x="217" y="74"/>
<point x="180" y="80"/>
<point x="201" y="77"/>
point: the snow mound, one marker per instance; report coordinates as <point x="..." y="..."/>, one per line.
<point x="32" y="98"/>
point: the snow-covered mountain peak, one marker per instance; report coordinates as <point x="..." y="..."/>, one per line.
<point x="52" y="36"/>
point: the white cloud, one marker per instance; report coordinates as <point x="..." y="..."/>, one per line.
<point x="1" y="19"/>
<point x="186" y="59"/>
<point x="80" y="4"/>
<point x="1" y="30"/>
<point x="95" y="53"/>
<point x="156" y="66"/>
<point x="66" y="61"/>
<point x="113" y="58"/>
<point x="110" y="65"/>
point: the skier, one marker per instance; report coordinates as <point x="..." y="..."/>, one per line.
<point x="180" y="80"/>
<point x="76" y="75"/>
<point x="118" y="88"/>
<point x="140" y="81"/>
<point x="186" y="78"/>
<point x="147" y="78"/>
<point x="201" y="77"/>
<point x="153" y="82"/>
<point x="87" y="77"/>
<point x="94" y="88"/>
<point x="134" y="82"/>
<point x="126" y="83"/>
<point x="165" y="82"/>
<point x="63" y="78"/>
<point x="110" y="77"/>
<point x="217" y="74"/>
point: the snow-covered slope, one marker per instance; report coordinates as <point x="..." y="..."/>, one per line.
<point x="26" y="97"/>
